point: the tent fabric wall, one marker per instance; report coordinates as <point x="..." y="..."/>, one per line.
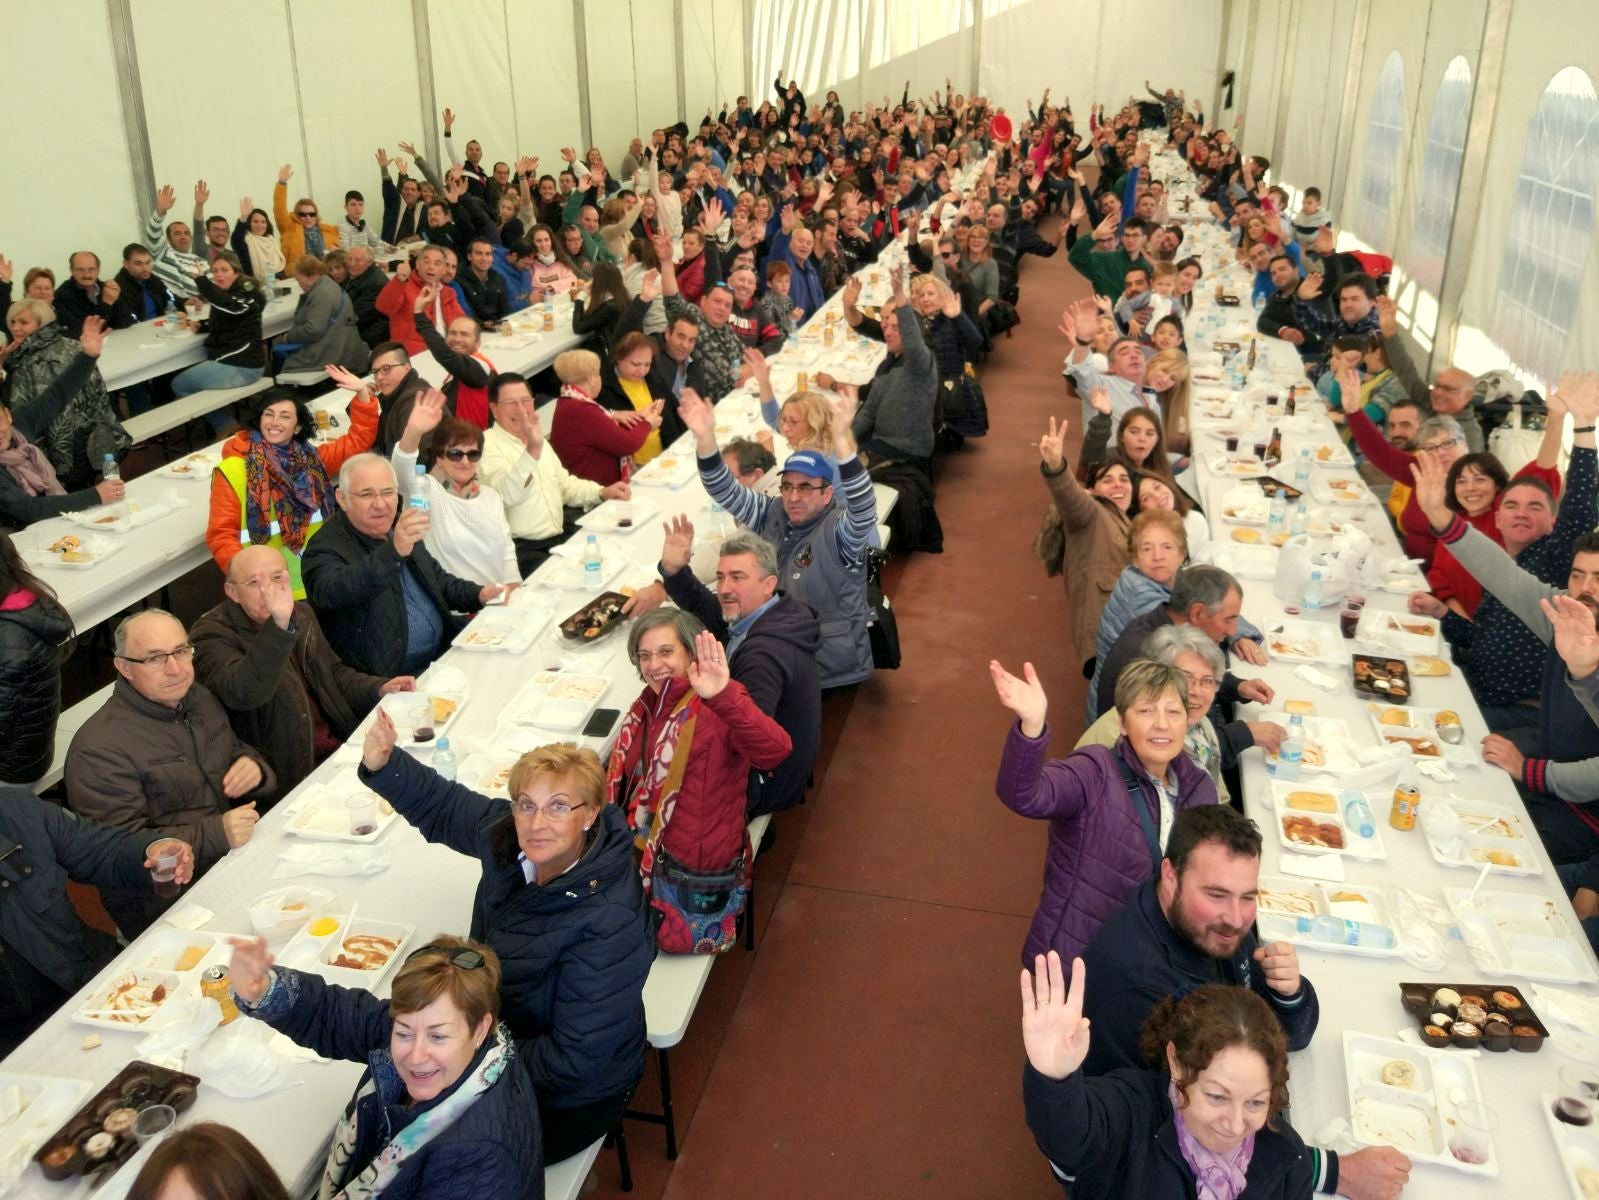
<point x="98" y="211"/>
<point x="713" y="56"/>
<point x="1316" y="80"/>
<point x="230" y="122"/>
<point x="632" y="65"/>
<point x="345" y="118"/>
<point x="544" y="86"/>
<point x="472" y="76"/>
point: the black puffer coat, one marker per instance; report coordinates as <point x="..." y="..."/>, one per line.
<point x="574" y="951"/>
<point x="87" y="429"/>
<point x="33" y="641"/>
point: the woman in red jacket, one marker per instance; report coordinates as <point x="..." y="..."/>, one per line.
<point x="681" y="769"/>
<point x="594" y="442"/>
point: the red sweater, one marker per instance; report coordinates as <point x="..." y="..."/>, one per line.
<point x="590" y="444"/>
<point x="395" y="302"/>
<point x="1414" y="528"/>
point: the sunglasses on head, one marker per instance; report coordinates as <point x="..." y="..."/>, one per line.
<point x="459" y="453"/>
<point x="458" y="956"/>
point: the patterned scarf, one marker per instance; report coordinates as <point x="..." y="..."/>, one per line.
<point x="1216" y="1176"/>
<point x="26" y="463"/>
<point x="624" y="463"/>
<point x="285" y="488"/>
<point x="390" y="1160"/>
<point x="647" y="778"/>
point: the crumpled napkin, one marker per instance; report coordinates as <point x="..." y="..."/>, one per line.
<point x="179" y="1027"/>
<point x="1326" y="682"/>
<point x="326" y="859"/>
<point x="1433" y="769"/>
<point x="1570" y="1008"/>
<point x="247" y="1059"/>
<point x="190" y="916"/>
<point x="1329" y="867"/>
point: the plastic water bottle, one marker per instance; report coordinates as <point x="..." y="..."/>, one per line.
<point x="1277" y="514"/>
<point x="1302" y="470"/>
<point x="1291" y="754"/>
<point x="591" y="561"/>
<point x="419" y="490"/>
<point x="1299" y="522"/>
<point x="444" y="760"/>
<point x="109" y="468"/>
<point x="1357" y="813"/>
<point x="172" y="320"/>
<point x="1313" y="595"/>
<point x="1337" y="932"/>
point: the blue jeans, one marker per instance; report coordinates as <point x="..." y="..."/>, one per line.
<point x="211" y="376"/>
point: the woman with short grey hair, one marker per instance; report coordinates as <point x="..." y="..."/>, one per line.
<point x="1200" y="659"/>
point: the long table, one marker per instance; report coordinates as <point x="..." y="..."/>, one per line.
<point x="430" y="887"/>
<point x="162" y="551"/>
<point x="1360" y="993"/>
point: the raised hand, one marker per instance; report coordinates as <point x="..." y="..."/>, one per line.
<point x="1431" y="490"/>
<point x="5" y="269"/>
<point x="285" y="173"/>
<point x="708" y="673"/>
<point x="1052" y="445"/>
<point x="410" y="529"/>
<point x="788" y="218"/>
<point x="1580" y="393"/>
<point x="711" y="217"/>
<point x="1348" y="389"/>
<point x="245" y="206"/>
<point x="346" y="379"/>
<point x="249" y="968"/>
<point x="1068" y="323"/>
<point x="399" y="165"/>
<point x="650" y="288"/>
<point x="1054" y="1030"/>
<point x="425" y="296"/>
<point x="165" y="198"/>
<point x="383" y="159"/>
<point x="1576" y="637"/>
<point x="449" y="120"/>
<point x="678" y="546"/>
<point x="1387" y="316"/>
<point x="1099" y="399"/>
<point x="759" y="367"/>
<point x="952" y="305"/>
<point x="1024" y="697"/>
<point x="201" y="193"/>
<point x="409" y="149"/>
<point x="1310" y="287"/>
<point x="426" y="413"/>
<point x="697" y="413"/>
<point x="280" y="602"/>
<point x="852" y="291"/>
<point x="92" y="337"/>
<point x="844" y="399"/>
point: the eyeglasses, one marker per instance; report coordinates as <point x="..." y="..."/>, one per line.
<point x="370" y="495"/>
<point x="380" y="372"/>
<point x="1435" y="447"/>
<point x="464" y="957"/>
<point x="1205" y="683"/>
<point x="304" y="213"/>
<point x="457" y="454"/>
<point x="799" y="489"/>
<point x="555" y="810"/>
<point x="182" y="654"/>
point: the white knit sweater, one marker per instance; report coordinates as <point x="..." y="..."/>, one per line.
<point x="470" y="538"/>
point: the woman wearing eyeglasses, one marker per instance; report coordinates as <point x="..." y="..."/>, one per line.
<point x="274" y="486"/>
<point x="561" y="903"/>
<point x="444" y="1107"/>
<point x="467" y="531"/>
<point x="680" y="770"/>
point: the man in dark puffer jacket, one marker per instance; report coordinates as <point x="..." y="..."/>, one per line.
<point x="575" y="949"/>
<point x="46" y="953"/>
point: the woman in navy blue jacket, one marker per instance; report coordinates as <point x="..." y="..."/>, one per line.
<point x="445" y="1107"/>
<point x="1207" y="1121"/>
<point x="561" y="903"/>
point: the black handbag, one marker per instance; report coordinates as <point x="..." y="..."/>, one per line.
<point x="881" y="627"/>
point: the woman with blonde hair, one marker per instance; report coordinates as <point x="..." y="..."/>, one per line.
<point x="574" y="966"/>
<point x="1167" y="373"/>
<point x="954" y="339"/>
<point x="594" y="443"/>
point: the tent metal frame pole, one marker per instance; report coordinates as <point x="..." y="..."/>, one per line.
<point x="748" y="9"/>
<point x="1245" y="72"/>
<point x="424" y="82"/>
<point x="1221" y="58"/>
<point x="135" y="126"/>
<point x="1473" y="170"/>
<point x="1343" y="143"/>
<point x="580" y="30"/>
<point x="678" y="63"/>
<point x="976" y="79"/>
<point x="299" y="103"/>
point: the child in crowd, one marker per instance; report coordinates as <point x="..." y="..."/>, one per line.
<point x="776" y="306"/>
<point x="1310" y="218"/>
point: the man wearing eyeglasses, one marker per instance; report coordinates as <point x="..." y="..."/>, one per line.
<point x="265" y="657"/>
<point x="822" y="556"/>
<point x="387" y="605"/>
<point x="397" y="300"/>
<point x="161" y="756"/>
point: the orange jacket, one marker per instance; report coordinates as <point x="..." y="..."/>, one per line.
<point x="222" y="531"/>
<point x="290" y="234"/>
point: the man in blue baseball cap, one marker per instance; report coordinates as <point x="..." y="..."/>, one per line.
<point x="821" y="545"/>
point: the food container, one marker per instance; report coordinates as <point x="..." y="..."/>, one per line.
<point x="358" y="953"/>
<point x="1421" y="729"/>
<point x="1578" y="1148"/>
<point x="1309" y="820"/>
<point x="31" y="1106"/>
<point x="1527" y="1033"/>
<point x="599" y="617"/>
<point x="1380" y="677"/>
<point x="1403" y="633"/>
<point x="1282" y="901"/>
<point x="277" y="915"/>
<point x="1521" y="934"/>
<point x="1412" y="1098"/>
<point x="138" y="1086"/>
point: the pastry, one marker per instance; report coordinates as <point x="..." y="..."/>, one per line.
<point x="1440" y="1018"/>
<point x="190" y="958"/>
<point x="1499" y="858"/>
<point x="1446" y="999"/>
<point x="119" y="1120"/>
<point x="443" y="709"/>
<point x="1394" y="716"/>
<point x="1249" y="537"/>
<point x="76" y="556"/>
<point x="1473" y="998"/>
<point x="1474" y="1013"/>
<point x="1347" y="897"/>
<point x="98" y="1145"/>
<point x="1508" y="1001"/>
<point x="1465" y="1034"/>
<point x="1303" y="707"/>
<point x="1435" y="1034"/>
<point x="1323" y="802"/>
<point x="1399" y="1073"/>
<point x="1323" y="453"/>
<point x="1427" y="665"/>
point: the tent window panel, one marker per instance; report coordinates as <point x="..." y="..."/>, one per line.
<point x="1550" y="227"/>
<point x="1440" y="174"/>
<point x="1384" y="134"/>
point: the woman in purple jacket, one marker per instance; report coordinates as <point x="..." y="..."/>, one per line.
<point x="1109" y="808"/>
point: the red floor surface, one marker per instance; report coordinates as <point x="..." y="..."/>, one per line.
<point x="871" y="1046"/>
